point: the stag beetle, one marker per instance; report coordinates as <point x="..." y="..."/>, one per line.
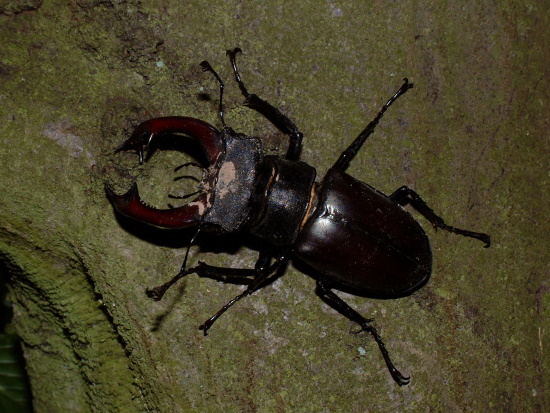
<point x="354" y="237"/>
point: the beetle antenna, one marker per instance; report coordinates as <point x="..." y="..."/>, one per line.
<point x="156" y="293"/>
<point x="194" y="178"/>
<point x="177" y="178"/>
<point x="184" y="196"/>
<point x="185" y="165"/>
<point x="206" y="67"/>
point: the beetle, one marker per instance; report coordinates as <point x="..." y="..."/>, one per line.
<point x="354" y="237"/>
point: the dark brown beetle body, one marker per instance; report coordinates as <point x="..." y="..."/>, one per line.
<point x="361" y="239"/>
<point x="354" y="237"/>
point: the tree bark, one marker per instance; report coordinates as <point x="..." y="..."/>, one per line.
<point x="471" y="137"/>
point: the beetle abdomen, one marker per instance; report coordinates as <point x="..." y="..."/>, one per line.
<point x="360" y="239"/>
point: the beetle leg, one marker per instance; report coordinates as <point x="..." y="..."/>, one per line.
<point x="261" y="273"/>
<point x="346" y="156"/>
<point x="206" y="67"/>
<point x="240" y="276"/>
<point x="271" y="113"/>
<point x="343" y="308"/>
<point x="157" y="293"/>
<point x="406" y="195"/>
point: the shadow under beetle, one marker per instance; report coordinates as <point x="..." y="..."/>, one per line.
<point x="352" y="235"/>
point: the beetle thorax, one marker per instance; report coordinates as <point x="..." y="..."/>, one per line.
<point x="232" y="183"/>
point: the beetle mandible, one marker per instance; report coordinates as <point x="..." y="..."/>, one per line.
<point x="354" y="237"/>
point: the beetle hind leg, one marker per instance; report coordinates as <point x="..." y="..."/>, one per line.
<point x="328" y="296"/>
<point x="406" y="195"/>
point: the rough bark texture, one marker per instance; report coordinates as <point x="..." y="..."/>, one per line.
<point x="471" y="138"/>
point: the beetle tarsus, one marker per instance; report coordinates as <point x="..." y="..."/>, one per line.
<point x="330" y="297"/>
<point x="477" y="235"/>
<point x="406" y="195"/>
<point x="156" y="293"/>
<point x="207" y="67"/>
<point x="233" y="59"/>
<point x="406" y="86"/>
<point x="208" y="323"/>
<point x="396" y="374"/>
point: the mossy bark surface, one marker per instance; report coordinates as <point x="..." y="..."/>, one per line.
<point x="471" y="138"/>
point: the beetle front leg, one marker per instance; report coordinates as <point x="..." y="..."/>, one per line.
<point x="406" y="195"/>
<point x="343" y="308"/>
<point x="271" y="113"/>
<point x="239" y="276"/>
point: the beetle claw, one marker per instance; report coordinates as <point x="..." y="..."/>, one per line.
<point x="139" y="141"/>
<point x="204" y="328"/>
<point x="234" y="52"/>
<point x="400" y="379"/>
<point x="156" y="293"/>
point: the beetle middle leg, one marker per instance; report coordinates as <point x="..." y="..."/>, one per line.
<point x="346" y="156"/>
<point x="327" y="295"/>
<point x="262" y="275"/>
<point x="406" y="195"/>
<point x="255" y="279"/>
<point x="271" y="113"/>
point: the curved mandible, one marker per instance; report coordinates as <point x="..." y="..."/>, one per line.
<point x="149" y="131"/>
<point x="131" y="205"/>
